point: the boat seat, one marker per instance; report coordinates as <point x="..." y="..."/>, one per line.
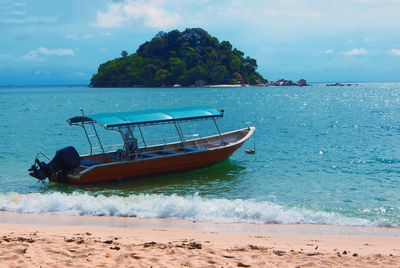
<point x="190" y="149"/>
<point x="149" y="155"/>
<point x="168" y="152"/>
<point x="88" y="163"/>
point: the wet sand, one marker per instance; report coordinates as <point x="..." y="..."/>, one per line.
<point x="29" y="240"/>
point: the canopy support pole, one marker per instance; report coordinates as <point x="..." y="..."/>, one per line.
<point x="141" y="134"/>
<point x="179" y="132"/>
<point x="179" y="126"/>
<point x="87" y="135"/>
<point x="97" y="136"/>
<point x="219" y="132"/>
<point x="84" y="129"/>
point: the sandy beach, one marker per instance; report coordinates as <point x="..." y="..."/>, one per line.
<point x="29" y="240"/>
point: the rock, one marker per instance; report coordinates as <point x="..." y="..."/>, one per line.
<point x="194" y="245"/>
<point x="21" y="251"/>
<point x="334" y="85"/>
<point x="313" y="254"/>
<point x="149" y="244"/>
<point x="302" y="83"/>
<point x="23" y="239"/>
<point x="279" y="252"/>
<point x="283" y="83"/>
<point x="288" y="83"/>
<point x="254" y="247"/>
<point x="341" y="85"/>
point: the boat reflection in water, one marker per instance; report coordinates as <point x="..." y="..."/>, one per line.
<point x="219" y="178"/>
<point x="133" y="161"/>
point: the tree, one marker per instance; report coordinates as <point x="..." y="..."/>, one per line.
<point x="124" y="54"/>
<point x="179" y="58"/>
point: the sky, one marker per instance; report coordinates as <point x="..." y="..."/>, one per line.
<point x="49" y="42"/>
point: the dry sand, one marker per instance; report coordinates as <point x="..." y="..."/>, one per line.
<point x="75" y="241"/>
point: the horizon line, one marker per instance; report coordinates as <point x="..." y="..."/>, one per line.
<point x="87" y="85"/>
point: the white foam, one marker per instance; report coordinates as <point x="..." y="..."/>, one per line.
<point x="191" y="207"/>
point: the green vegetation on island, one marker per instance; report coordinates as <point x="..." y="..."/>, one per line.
<point x="191" y="57"/>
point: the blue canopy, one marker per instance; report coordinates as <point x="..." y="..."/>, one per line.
<point x="151" y="117"/>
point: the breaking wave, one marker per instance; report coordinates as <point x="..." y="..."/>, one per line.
<point x="191" y="207"/>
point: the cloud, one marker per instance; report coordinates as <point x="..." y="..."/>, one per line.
<point x="16" y="12"/>
<point x="42" y="51"/>
<point x="124" y="13"/>
<point x="301" y="17"/>
<point x="73" y="36"/>
<point x="356" y="52"/>
<point x="38" y="72"/>
<point x="28" y="20"/>
<point x="367" y="40"/>
<point x="395" y="51"/>
<point x="19" y="4"/>
<point x="305" y="14"/>
<point x="87" y="36"/>
<point x="79" y="37"/>
<point x="329" y="51"/>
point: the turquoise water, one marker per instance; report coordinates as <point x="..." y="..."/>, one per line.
<point x="327" y="155"/>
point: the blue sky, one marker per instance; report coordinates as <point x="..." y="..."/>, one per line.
<point x="64" y="41"/>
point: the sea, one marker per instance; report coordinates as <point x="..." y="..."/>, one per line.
<point x="324" y="155"/>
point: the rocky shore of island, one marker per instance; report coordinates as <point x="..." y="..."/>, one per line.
<point x="286" y="83"/>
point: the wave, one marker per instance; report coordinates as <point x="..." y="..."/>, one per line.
<point x="191" y="207"/>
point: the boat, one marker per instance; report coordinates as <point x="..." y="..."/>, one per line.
<point x="129" y="161"/>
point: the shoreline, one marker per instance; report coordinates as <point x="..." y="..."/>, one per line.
<point x="93" y="241"/>
<point x="187" y="87"/>
<point x="134" y="222"/>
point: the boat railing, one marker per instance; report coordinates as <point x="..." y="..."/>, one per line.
<point x="177" y="149"/>
<point x="166" y="140"/>
<point x="200" y="143"/>
<point x="204" y="142"/>
<point x="158" y="142"/>
<point x="190" y="146"/>
<point x="112" y="147"/>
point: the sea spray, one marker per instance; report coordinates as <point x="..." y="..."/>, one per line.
<point x="192" y="207"/>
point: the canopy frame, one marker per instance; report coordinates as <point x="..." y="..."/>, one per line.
<point x="155" y="117"/>
<point x="82" y="121"/>
<point x="124" y="126"/>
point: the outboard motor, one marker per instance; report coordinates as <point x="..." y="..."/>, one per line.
<point x="63" y="162"/>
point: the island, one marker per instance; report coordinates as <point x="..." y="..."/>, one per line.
<point x="189" y="58"/>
